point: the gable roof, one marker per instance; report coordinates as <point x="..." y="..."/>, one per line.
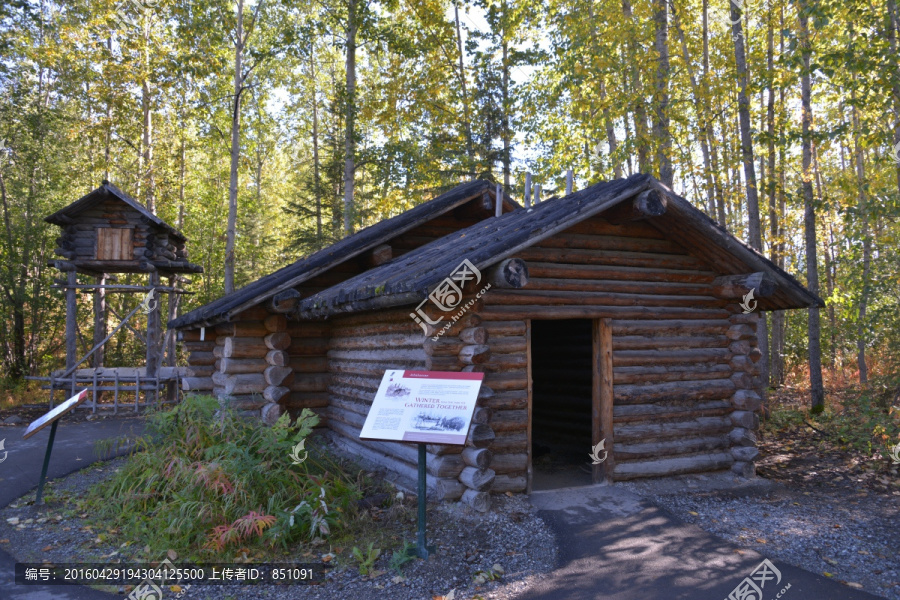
<point x="408" y="278"/>
<point x="315" y="264"/>
<point x="66" y="215"/>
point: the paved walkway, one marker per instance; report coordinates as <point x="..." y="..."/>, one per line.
<point x="73" y="449"/>
<point x="614" y="545"/>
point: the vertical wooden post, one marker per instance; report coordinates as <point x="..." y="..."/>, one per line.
<point x="498" y="201"/>
<point x="153" y="346"/>
<point x="529" y="471"/>
<point x="71" y="324"/>
<point x="570" y="177"/>
<point x="527" y="190"/>
<point x="171" y="386"/>
<point x="602" y="397"/>
<point x="99" y="320"/>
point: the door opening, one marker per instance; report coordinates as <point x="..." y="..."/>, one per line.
<point x="561" y="419"/>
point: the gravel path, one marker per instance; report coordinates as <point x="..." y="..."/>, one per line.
<point x="852" y="537"/>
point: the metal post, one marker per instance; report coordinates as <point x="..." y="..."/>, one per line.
<point x="527" y="190"/>
<point x="570" y="178"/>
<point x="498" y="201"/>
<point x="40" y="490"/>
<point x="422" y="550"/>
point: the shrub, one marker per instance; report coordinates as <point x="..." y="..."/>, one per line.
<point x="206" y="482"/>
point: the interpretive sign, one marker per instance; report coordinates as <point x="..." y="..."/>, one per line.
<point x="431" y="407"/>
<point x="54" y="414"/>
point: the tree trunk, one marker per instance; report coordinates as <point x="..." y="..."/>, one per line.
<point x="506" y="135"/>
<point x="776" y="356"/>
<point x="862" y="206"/>
<point x="661" y="122"/>
<point x="893" y="28"/>
<point x="147" y="147"/>
<point x="755" y="233"/>
<point x="470" y="152"/>
<point x="317" y="178"/>
<point x="350" y="115"/>
<point x="640" y="112"/>
<point x="235" y="148"/>
<point x="817" y="391"/>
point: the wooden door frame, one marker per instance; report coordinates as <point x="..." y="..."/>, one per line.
<point x="602" y="396"/>
<point x="529" y="470"/>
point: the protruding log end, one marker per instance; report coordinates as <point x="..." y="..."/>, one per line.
<point x="285" y="301"/>
<point x="480" y="501"/>
<point x="511" y="273"/>
<point x="650" y="203"/>
<point x="735" y="287"/>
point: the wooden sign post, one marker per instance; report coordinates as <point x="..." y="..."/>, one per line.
<point x="51" y="417"/>
<point x="428" y="407"/>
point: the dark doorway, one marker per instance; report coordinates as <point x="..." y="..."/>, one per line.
<point x="561" y="359"/>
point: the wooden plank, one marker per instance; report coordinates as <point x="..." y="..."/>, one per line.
<point x="602" y="396"/>
<point x="529" y="469"/>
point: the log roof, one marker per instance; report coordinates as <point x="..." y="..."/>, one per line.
<point x="409" y="278"/>
<point x="69" y="214"/>
<point x="222" y="309"/>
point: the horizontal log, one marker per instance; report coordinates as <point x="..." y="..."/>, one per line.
<point x="514" y="484"/>
<point x="254" y="313"/>
<point x="242" y="329"/>
<point x="645" y="342"/>
<point x="201" y="358"/>
<point x="275" y="393"/>
<point x="310" y="382"/>
<point x="510" y="463"/>
<point x="480" y="458"/>
<point x="307" y="364"/>
<point x="193" y="335"/>
<point x="278" y="358"/>
<point x="244" y="347"/>
<point x="199" y="371"/>
<point x="279" y="340"/>
<point x="443" y="363"/>
<point x="740" y="332"/>
<point x="508" y="345"/>
<point x="275" y="323"/>
<point x="572" y="298"/>
<point x="193" y="384"/>
<point x="511" y="380"/>
<point x="245" y="384"/>
<point x="242" y="402"/>
<point x="377" y="342"/>
<point x="480" y="436"/>
<point x="668" y="448"/>
<point x="449" y="489"/>
<point x="751" y="319"/>
<point x="385" y="354"/>
<point x="672" y="466"/>
<point x="306" y="400"/>
<point x="619" y="258"/>
<point x="566" y="271"/>
<point x="219" y="379"/>
<point x="271" y="412"/>
<point x="499" y="363"/>
<point x="474" y="335"/>
<point x="746" y="400"/>
<point x="308" y="347"/>
<point x="481" y="415"/>
<point x="477" y="479"/>
<point x="276" y="375"/>
<point x="378" y="255"/>
<point x="669" y="327"/>
<point x="242" y="365"/>
<point x="308" y="329"/>
<point x="509" y="420"/>
<point x="738" y="286"/>
<point x="449" y="465"/>
<point x="510" y="400"/>
<point x="628" y="358"/>
<point x="599" y="311"/>
<point x="509" y="442"/>
<point x="479" y="501"/>
<point x="623" y="287"/>
<point x="475" y="354"/>
<point x="504" y="328"/>
<point x="654" y="412"/>
<point x="659" y="374"/>
<point x="699" y="426"/>
<point x="675" y="391"/>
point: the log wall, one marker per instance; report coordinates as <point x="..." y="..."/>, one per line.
<point x="684" y="363"/>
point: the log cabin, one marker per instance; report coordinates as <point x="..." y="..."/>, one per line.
<point x="618" y="316"/>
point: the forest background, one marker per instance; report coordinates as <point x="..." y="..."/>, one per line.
<point x="268" y="129"/>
